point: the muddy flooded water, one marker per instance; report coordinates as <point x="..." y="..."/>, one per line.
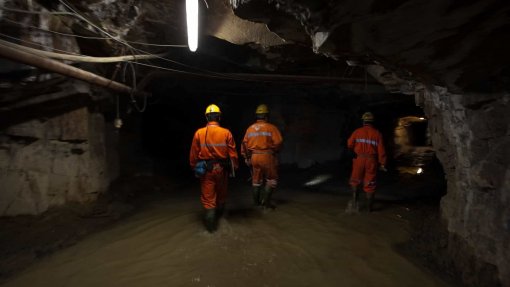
<point x="307" y="241"/>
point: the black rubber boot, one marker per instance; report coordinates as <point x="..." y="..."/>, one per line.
<point x="355" y="199"/>
<point x="257" y="198"/>
<point x="370" y="202"/>
<point x="210" y="219"/>
<point x="266" y="197"/>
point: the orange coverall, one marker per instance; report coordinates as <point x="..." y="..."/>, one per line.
<point x="367" y="143"/>
<point x="261" y="142"/>
<point x="219" y="145"/>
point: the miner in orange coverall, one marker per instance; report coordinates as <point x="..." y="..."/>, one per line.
<point x="260" y="146"/>
<point x="367" y="143"/>
<point x="213" y="155"/>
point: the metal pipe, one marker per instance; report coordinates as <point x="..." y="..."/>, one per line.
<point x="64" y="69"/>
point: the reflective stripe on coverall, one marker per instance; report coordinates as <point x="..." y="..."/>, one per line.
<point x="219" y="145"/>
<point x="261" y="142"/>
<point x="367" y="143"/>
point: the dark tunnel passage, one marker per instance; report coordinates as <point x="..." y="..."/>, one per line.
<point x="318" y="117"/>
<point x="376" y="134"/>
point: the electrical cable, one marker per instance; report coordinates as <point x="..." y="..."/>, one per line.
<point x="215" y="75"/>
<point x="35" y="12"/>
<point x="118" y="121"/>
<point x="88" y="37"/>
<point x="54" y="32"/>
<point x="123" y="42"/>
<point x="198" y="74"/>
<point x="133" y="99"/>
<point x="42" y="45"/>
<point x="135" y="61"/>
<point x="73" y="58"/>
<point x="127" y="44"/>
<point x="67" y="56"/>
<point x="131" y="95"/>
<point x="127" y="61"/>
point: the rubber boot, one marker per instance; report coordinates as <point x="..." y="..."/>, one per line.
<point x="210" y="219"/>
<point x="370" y="202"/>
<point x="257" y="198"/>
<point x="355" y="198"/>
<point x="266" y="197"/>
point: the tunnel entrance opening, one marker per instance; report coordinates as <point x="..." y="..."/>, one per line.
<point x="415" y="157"/>
<point x="412" y="131"/>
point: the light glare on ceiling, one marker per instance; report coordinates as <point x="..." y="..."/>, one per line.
<point x="192" y="24"/>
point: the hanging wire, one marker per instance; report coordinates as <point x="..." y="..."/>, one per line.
<point x="128" y="45"/>
<point x="123" y="42"/>
<point x="41" y="45"/>
<point x="88" y="37"/>
<point x="54" y="32"/>
<point x="135" y="62"/>
<point x="36" y="12"/>
<point x="110" y="35"/>
<point x="133" y="86"/>
<point x="133" y="99"/>
<point x="126" y="61"/>
<point x="118" y="121"/>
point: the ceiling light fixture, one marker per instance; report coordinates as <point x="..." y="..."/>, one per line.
<point x="192" y="24"/>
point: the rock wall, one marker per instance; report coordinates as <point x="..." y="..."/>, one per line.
<point x="471" y="134"/>
<point x="50" y="161"/>
<point x="54" y="148"/>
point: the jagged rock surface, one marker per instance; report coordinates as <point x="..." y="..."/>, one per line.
<point x="51" y="161"/>
<point x="471" y="134"/>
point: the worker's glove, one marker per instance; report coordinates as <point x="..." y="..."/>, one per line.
<point x="247" y="161"/>
<point x="383" y="168"/>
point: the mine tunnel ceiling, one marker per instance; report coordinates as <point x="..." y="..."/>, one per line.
<point x="461" y="45"/>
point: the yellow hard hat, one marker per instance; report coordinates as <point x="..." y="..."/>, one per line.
<point x="262" y="109"/>
<point x="212" y="109"/>
<point x="368" y="117"/>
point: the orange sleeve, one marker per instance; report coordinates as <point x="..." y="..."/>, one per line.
<point x="232" y="152"/>
<point x="194" y="150"/>
<point x="277" y="139"/>
<point x="381" y="151"/>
